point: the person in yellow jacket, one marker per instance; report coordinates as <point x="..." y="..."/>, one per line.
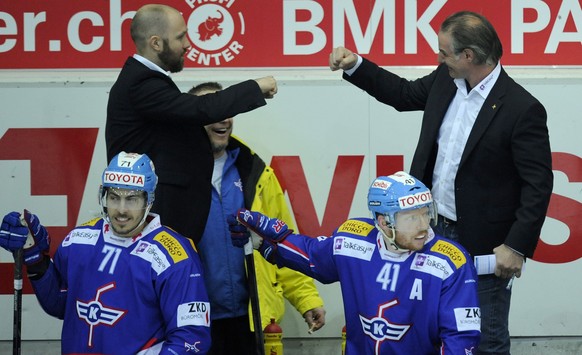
<point x="242" y="179"/>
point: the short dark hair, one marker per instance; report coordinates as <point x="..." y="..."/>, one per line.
<point x="207" y="86"/>
<point x="470" y="30"/>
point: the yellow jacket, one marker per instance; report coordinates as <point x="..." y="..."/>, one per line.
<point x="263" y="193"/>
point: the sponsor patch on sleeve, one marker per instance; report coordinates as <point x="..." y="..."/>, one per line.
<point x="450" y="250"/>
<point x="194" y="313"/>
<point x="172" y="245"/>
<point x="468" y="318"/>
<point x="355" y="227"/>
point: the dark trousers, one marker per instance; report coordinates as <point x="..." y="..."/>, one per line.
<point x="232" y="336"/>
<point x="494" y="300"/>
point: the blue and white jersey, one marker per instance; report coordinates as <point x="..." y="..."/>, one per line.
<point x="141" y="295"/>
<point x="422" y="302"/>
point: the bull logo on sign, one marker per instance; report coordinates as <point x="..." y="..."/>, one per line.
<point x="210" y="27"/>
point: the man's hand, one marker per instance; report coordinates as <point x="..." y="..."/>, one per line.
<point x="508" y="262"/>
<point x="268" y="86"/>
<point x="342" y="58"/>
<point x="239" y="234"/>
<point x="315" y="319"/>
<point x="13" y="236"/>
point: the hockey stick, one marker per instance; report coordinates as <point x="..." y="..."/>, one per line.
<point x="16" y="341"/>
<point x="17" y="318"/>
<point x="254" y="296"/>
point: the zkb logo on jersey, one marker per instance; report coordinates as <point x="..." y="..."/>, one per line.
<point x="213" y="28"/>
<point x="95" y="313"/>
<point x="380" y="329"/>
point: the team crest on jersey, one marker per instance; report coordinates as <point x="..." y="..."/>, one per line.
<point x="356" y="227"/>
<point x="450" y="250"/>
<point x="380" y="329"/>
<point x="215" y="29"/>
<point x="94" y="313"/>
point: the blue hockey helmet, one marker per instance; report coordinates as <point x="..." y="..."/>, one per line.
<point x="131" y="171"/>
<point x="398" y="192"/>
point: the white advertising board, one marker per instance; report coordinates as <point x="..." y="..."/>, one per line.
<point x="332" y="136"/>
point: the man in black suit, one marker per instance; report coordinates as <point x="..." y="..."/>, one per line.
<point x="147" y="113"/>
<point x="483" y="150"/>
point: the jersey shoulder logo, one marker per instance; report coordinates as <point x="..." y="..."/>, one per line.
<point x="451" y="251"/>
<point x="172" y="246"/>
<point x="356" y="227"/>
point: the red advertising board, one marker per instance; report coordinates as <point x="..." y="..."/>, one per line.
<point x="37" y="34"/>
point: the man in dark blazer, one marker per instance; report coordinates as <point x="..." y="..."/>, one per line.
<point x="483" y="149"/>
<point x="147" y="113"/>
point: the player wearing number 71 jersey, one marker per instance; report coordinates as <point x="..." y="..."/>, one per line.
<point x="123" y="284"/>
<point x="405" y="290"/>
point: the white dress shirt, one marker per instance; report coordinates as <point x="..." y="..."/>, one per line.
<point x="452" y="138"/>
<point x="148" y="63"/>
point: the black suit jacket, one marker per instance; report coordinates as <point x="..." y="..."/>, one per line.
<point x="147" y="113"/>
<point x="504" y="181"/>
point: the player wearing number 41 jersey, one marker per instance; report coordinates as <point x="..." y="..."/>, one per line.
<point x="123" y="284"/>
<point x="405" y="290"/>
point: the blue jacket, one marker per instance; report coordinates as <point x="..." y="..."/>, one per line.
<point x="262" y="192"/>
<point x="223" y="262"/>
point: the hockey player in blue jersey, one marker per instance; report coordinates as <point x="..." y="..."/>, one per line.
<point x="405" y="290"/>
<point x="124" y="283"/>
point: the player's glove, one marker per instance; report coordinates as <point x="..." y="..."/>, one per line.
<point x="13" y="236"/>
<point x="270" y="230"/>
<point x="240" y="236"/>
